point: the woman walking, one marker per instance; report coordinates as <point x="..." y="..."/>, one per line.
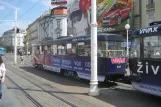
<point x="2" y="75"/>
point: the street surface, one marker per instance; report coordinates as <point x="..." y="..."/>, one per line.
<point x="32" y="87"/>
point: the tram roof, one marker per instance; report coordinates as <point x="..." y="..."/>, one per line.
<point x="148" y="31"/>
<point x="100" y="37"/>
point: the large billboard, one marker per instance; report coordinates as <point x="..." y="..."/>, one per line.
<point x="112" y="15"/>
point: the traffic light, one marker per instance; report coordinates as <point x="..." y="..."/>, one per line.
<point x="18" y="30"/>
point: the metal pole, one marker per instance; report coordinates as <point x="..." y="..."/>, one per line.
<point x="93" y="91"/>
<point x="15" y="45"/>
<point x="127" y="42"/>
<point x="27" y="49"/>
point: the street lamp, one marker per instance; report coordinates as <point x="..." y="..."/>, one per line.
<point x="127" y="27"/>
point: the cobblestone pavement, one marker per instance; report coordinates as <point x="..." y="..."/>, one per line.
<point x="35" y="87"/>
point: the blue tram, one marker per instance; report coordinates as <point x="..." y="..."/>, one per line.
<point x="145" y="60"/>
<point x="71" y="56"/>
<point x="2" y="51"/>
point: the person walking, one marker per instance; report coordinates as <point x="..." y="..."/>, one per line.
<point x="21" y="58"/>
<point x="2" y="75"/>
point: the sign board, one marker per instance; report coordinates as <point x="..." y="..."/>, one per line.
<point x="112" y="15"/>
<point x="58" y="2"/>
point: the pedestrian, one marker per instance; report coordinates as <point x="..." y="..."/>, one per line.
<point x="21" y="58"/>
<point x="2" y="75"/>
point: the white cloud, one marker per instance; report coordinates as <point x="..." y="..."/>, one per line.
<point x="2" y="7"/>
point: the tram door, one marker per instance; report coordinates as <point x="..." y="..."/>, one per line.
<point x="47" y="55"/>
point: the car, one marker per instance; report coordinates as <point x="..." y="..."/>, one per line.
<point x="116" y="15"/>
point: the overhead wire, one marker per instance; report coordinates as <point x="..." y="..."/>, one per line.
<point x="12" y="10"/>
<point x="29" y="9"/>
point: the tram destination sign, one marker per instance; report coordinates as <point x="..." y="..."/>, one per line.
<point x="148" y="31"/>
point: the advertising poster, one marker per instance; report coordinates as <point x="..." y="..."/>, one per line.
<point x="112" y="15"/>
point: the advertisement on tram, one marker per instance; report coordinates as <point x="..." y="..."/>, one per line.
<point x="112" y="15"/>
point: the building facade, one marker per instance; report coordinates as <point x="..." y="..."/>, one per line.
<point x="9" y="40"/>
<point x="51" y="25"/>
<point x="32" y="34"/>
<point x="150" y="12"/>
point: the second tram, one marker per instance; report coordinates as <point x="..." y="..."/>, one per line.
<point x="145" y="60"/>
<point x="71" y="56"/>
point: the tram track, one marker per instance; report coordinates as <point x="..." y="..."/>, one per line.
<point x="72" y="104"/>
<point x="30" y="97"/>
<point x="27" y="95"/>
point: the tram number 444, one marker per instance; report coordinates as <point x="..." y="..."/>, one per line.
<point x="147" y="68"/>
<point x="119" y="66"/>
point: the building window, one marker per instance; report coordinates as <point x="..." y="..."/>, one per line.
<point x="58" y="34"/>
<point x="51" y="25"/>
<point x="58" y="23"/>
<point x="150" y="1"/>
<point x="58" y="29"/>
<point x="151" y="17"/>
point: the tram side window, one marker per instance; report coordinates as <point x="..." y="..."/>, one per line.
<point x="48" y="49"/>
<point x="42" y="50"/>
<point x="74" y="49"/>
<point x="71" y="49"/>
<point x="87" y="49"/>
<point x="81" y="49"/>
<point x="34" y="50"/>
<point x="54" y="49"/>
<point x="61" y="49"/>
<point x="37" y="50"/>
<point x="45" y="50"/>
<point x="102" y="49"/>
<point x="84" y="49"/>
<point x="152" y="47"/>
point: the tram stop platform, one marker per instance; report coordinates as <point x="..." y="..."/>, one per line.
<point x="8" y="99"/>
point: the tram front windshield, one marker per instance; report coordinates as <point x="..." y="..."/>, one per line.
<point x="135" y="48"/>
<point x="151" y="47"/>
<point x="110" y="49"/>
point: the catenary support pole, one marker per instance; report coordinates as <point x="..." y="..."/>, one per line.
<point x="93" y="91"/>
<point x="15" y="39"/>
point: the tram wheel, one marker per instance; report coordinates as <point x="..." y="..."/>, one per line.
<point x="35" y="66"/>
<point x="65" y="73"/>
<point x="76" y="76"/>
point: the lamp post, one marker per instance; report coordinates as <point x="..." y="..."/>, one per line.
<point x="15" y="39"/>
<point x="127" y="27"/>
<point x="27" y="48"/>
<point x="93" y="91"/>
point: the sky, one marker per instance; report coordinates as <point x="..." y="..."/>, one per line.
<point x="7" y="12"/>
